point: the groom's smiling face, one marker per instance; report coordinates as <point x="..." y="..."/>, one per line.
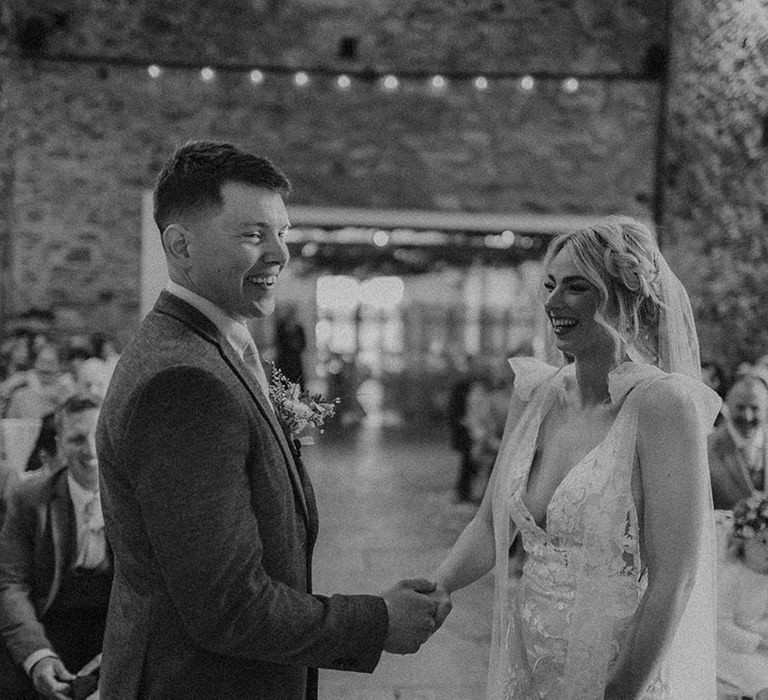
<point x="236" y="252"/>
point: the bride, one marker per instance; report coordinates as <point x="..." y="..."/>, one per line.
<point x="603" y="474"/>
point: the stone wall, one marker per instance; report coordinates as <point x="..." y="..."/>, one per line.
<point x="717" y="172"/>
<point x="88" y="138"/>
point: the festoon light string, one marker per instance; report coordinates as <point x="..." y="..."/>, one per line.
<point x="344" y="80"/>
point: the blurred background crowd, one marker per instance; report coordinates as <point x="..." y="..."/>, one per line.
<point x="464" y="400"/>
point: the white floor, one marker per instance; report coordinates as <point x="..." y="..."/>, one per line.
<point x="386" y="513"/>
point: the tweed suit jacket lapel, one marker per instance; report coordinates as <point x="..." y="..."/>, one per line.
<point x="739" y="468"/>
<point x="60" y="513"/>
<point x="169" y="304"/>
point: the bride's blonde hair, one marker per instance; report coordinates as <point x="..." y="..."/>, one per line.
<point x="620" y="257"/>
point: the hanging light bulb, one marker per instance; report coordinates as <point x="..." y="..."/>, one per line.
<point x="207" y="74"/>
<point x="343" y="82"/>
<point x="570" y="85"/>
<point x="437" y="82"/>
<point x="154" y="71"/>
<point x="527" y="82"/>
<point x="257" y="77"/>
<point x="390" y="82"/>
<point x="480" y="82"/>
<point x="380" y="239"/>
<point x="301" y="79"/>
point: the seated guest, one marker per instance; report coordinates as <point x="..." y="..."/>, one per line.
<point x="43" y="453"/>
<point x="15" y="355"/>
<point x="738" y="447"/>
<point x="93" y="376"/>
<point x="74" y="356"/>
<point x="713" y="375"/>
<point x="55" y="567"/>
<point x="43" y="388"/>
<point x="742" y="601"/>
<point x="107" y="349"/>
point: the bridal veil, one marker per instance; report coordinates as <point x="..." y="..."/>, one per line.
<point x="689" y="663"/>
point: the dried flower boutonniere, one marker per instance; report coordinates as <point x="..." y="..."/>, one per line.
<point x="296" y="409"/>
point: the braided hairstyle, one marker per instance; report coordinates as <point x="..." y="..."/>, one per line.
<point x="620" y="257"/>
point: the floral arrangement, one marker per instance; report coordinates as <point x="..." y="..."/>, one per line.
<point x="750" y="516"/>
<point x="298" y="410"/>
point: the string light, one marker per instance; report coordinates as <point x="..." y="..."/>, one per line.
<point x="390" y="82"/>
<point x="437" y="82"/>
<point x="380" y="239"/>
<point x="570" y="85"/>
<point x="301" y="79"/>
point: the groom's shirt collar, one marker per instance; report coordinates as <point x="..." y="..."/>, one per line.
<point x="236" y="333"/>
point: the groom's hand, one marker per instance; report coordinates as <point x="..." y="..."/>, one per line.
<point x="411" y="615"/>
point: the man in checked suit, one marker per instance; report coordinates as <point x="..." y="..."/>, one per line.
<point x="210" y="513"/>
<point x="55" y="567"/>
<point x="738" y="449"/>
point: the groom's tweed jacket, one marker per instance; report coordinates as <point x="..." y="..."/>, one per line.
<point x="212" y="521"/>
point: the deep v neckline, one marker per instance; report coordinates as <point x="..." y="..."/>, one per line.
<point x="523" y="492"/>
<point x="621" y="381"/>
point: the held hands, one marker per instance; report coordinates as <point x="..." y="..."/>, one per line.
<point x="444" y="606"/>
<point x="51" y="678"/>
<point x="416" y="609"/>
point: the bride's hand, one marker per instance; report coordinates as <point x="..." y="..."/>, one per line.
<point x="444" y="605"/>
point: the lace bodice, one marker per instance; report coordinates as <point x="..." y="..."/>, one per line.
<point x="560" y="628"/>
<point x="572" y="507"/>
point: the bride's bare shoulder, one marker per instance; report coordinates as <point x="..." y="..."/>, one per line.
<point x="666" y="408"/>
<point x="666" y="397"/>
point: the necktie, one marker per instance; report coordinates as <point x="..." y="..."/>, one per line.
<point x="253" y="362"/>
<point x="93" y="544"/>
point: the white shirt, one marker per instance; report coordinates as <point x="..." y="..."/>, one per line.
<point x="236" y="332"/>
<point x="81" y="498"/>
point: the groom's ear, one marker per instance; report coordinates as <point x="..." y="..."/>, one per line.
<point x="175" y="240"/>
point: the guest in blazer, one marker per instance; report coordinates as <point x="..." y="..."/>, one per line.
<point x="738" y="449"/>
<point x="207" y="505"/>
<point x="55" y="566"/>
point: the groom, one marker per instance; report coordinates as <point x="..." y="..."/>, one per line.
<point x="210" y="513"/>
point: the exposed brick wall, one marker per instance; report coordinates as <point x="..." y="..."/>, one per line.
<point x="454" y="34"/>
<point x="90" y="138"/>
<point x="717" y="165"/>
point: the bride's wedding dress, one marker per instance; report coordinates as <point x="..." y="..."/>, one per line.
<point x="559" y="629"/>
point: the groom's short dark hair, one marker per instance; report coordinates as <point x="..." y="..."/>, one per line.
<point x="191" y="180"/>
